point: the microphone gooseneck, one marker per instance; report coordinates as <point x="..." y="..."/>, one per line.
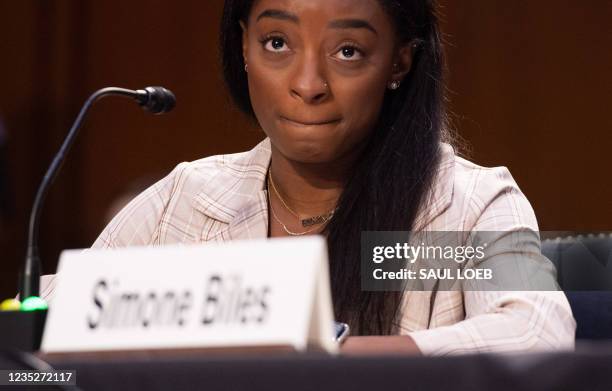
<point x="154" y="99"/>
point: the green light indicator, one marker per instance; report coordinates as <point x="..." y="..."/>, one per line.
<point x="34" y="303"/>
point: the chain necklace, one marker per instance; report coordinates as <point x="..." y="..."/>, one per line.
<point x="287" y="230"/>
<point x="307" y="222"/>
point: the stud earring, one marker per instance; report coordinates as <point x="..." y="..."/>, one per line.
<point x="246" y="67"/>
<point x="394" y="85"/>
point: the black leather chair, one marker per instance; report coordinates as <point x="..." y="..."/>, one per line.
<point x="584" y="272"/>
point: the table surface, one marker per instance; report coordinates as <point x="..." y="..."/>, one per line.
<point x="588" y="368"/>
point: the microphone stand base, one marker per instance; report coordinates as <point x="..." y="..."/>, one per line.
<point x="21" y="330"/>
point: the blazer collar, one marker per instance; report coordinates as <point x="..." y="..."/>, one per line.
<point x="441" y="194"/>
<point x="238" y="187"/>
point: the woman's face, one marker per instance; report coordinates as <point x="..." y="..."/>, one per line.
<point x="318" y="71"/>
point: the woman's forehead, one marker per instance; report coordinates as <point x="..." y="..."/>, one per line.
<point x="370" y="9"/>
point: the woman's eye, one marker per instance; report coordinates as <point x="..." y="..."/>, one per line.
<point x="275" y="44"/>
<point x="350" y="53"/>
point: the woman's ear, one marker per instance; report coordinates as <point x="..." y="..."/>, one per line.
<point x="402" y="61"/>
<point x="245" y="40"/>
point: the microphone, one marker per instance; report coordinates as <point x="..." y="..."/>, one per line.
<point x="156" y="100"/>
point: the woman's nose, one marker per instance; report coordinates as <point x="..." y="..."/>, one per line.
<point x="308" y="83"/>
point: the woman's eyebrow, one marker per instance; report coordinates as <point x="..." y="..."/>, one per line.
<point x="278" y="14"/>
<point x="351" y="24"/>
<point x="338" y="23"/>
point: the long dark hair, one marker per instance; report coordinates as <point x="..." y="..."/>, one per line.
<point x="393" y="177"/>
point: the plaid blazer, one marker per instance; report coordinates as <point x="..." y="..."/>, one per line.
<point x="223" y="198"/>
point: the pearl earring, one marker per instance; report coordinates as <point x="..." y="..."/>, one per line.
<point x="246" y="67"/>
<point x="394" y="85"/>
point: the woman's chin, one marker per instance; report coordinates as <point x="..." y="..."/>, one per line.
<point x="307" y="152"/>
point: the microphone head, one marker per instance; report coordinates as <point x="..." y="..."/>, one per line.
<point x="157" y="100"/>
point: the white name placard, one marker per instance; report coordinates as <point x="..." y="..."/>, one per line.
<point x="247" y="293"/>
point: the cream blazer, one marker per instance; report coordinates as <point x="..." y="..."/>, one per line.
<point x="223" y="198"/>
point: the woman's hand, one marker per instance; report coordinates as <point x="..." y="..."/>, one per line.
<point x="371" y="345"/>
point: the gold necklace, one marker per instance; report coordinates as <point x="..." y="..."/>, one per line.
<point x="287" y="230"/>
<point x="307" y="222"/>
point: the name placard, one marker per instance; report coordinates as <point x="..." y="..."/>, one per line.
<point x="248" y="293"/>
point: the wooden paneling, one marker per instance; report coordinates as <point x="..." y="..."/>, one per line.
<point x="530" y="88"/>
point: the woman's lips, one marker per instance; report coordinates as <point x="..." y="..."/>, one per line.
<point x="309" y="123"/>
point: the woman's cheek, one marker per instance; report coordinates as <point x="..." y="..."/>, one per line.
<point x="362" y="108"/>
<point x="263" y="100"/>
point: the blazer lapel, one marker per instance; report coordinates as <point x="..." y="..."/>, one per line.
<point x="441" y="194"/>
<point x="236" y="197"/>
<point x="251" y="221"/>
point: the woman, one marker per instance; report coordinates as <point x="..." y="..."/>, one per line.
<point x="350" y="95"/>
